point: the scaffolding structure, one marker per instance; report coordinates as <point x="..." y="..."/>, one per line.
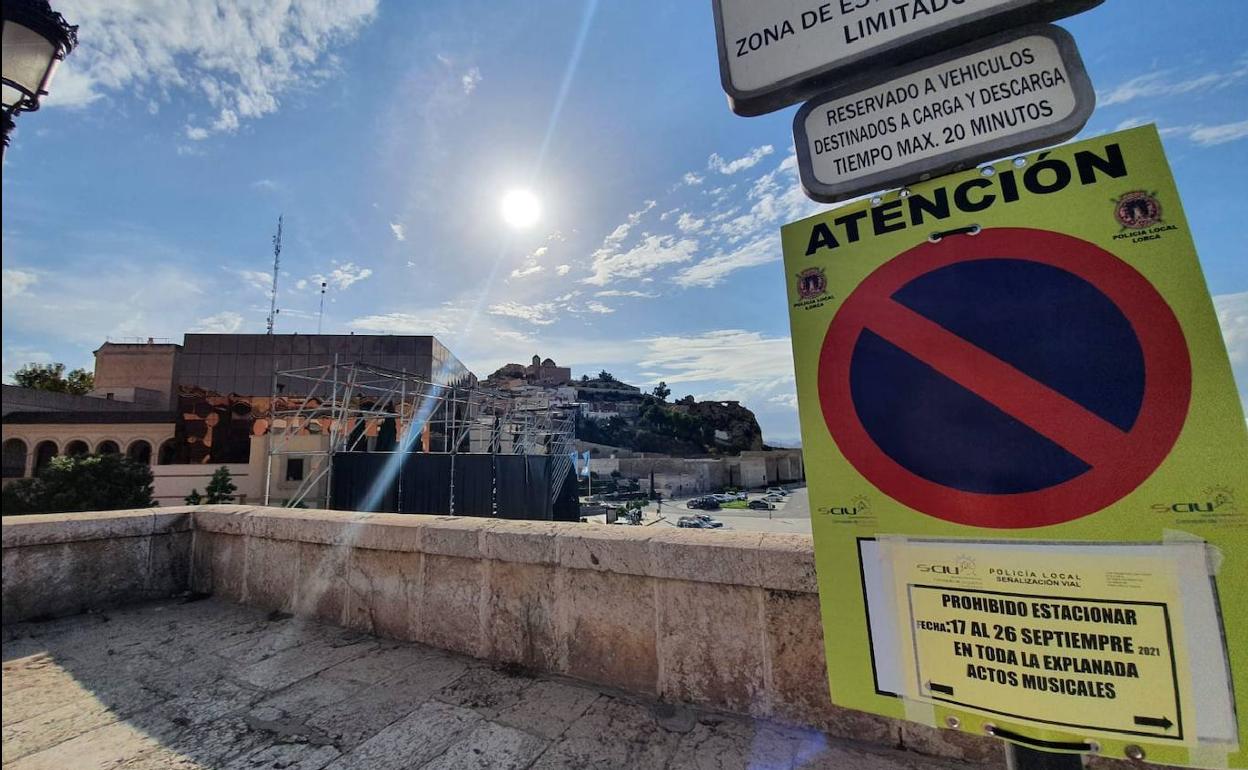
<point x="356" y="407"/>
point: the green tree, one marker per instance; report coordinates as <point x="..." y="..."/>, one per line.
<point x="661" y="391"/>
<point x="106" y="482"/>
<point x="194" y="498"/>
<point x="53" y="377"/>
<point x="687" y="400"/>
<point x="220" y="487"/>
<point x="606" y="376"/>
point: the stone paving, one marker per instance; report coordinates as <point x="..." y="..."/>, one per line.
<point x="209" y="684"/>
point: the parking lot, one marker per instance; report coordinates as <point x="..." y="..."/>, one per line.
<point x="792" y="515"/>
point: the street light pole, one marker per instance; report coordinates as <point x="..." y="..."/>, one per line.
<point x="35" y="40"/>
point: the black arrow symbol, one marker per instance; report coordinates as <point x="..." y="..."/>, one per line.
<point x="1162" y="722"/>
<point x="944" y="688"/>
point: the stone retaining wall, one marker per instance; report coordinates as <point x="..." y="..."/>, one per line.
<point x="723" y="619"/>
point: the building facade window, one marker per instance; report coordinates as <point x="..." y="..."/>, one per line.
<point x="294" y="469"/>
<point x="140" y="451"/>
<point x="77" y="448"/>
<point x="107" y="448"/>
<point x="44" y="452"/>
<point x="14" y="458"/>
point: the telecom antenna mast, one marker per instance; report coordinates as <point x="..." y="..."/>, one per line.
<point x="277" y="258"/>
<point x="321" y="316"/>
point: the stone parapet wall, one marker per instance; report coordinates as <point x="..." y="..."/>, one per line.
<point x="64" y="564"/>
<point x="722" y="619"/>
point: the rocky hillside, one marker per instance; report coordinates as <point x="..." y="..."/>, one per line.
<point x="685" y="428"/>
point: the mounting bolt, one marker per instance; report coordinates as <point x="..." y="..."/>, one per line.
<point x="952" y="722"/>
<point x="990" y="728"/>
<point x="1134" y="753"/>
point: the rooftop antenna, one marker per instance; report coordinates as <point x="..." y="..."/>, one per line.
<point x="277" y="258"/>
<point x="321" y="316"/>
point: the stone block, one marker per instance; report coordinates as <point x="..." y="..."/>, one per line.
<point x="411" y="741"/>
<point x="731" y="558"/>
<point x="710" y="645"/>
<point x="272" y="573"/>
<point x="453" y="536"/>
<point x="451" y="597"/>
<point x="613" y="733"/>
<point x="490" y="746"/>
<point x="71" y="577"/>
<point x="522" y="626"/>
<point x="787" y="563"/>
<point x="52" y="528"/>
<point x="547" y="708"/>
<point x="527" y="542"/>
<point x="321" y="590"/>
<point x="798" y="681"/>
<point x="605" y="549"/>
<point x="387" y="531"/>
<point x="227" y="564"/>
<point x="225" y="519"/>
<point x="383" y="592"/>
<point x="607" y="627"/>
<point x="170" y="564"/>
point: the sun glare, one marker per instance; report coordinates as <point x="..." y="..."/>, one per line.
<point x="521" y="208"/>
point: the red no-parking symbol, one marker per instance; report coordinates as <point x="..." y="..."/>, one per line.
<point x="1015" y="378"/>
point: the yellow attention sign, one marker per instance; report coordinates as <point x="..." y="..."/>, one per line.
<point x="1028" y="464"/>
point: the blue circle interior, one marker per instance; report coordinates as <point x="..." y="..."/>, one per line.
<point x="1046" y="322"/>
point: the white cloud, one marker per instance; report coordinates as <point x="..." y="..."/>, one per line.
<point x="623" y="293"/>
<point x="264" y="184"/>
<point x="710" y="272"/>
<point x="541" y="313"/>
<point x="598" y="307"/>
<point x="1164" y="83"/>
<point x="433" y="322"/>
<point x="788" y="400"/>
<point x="692" y="179"/>
<point x="689" y="223"/>
<point x="653" y="252"/>
<point x="256" y="279"/>
<point x="241" y="59"/>
<point x="342" y="276"/>
<point x="1232" y="312"/>
<point x="17" y="356"/>
<point x="749" y="160"/>
<point x="540" y="252"/>
<point x="733" y="364"/>
<point x="1198" y="133"/>
<point x="225" y="322"/>
<point x="563" y="269"/>
<point x="17" y="281"/>
<point x="470" y="80"/>
<point x="526" y="270"/>
<point x="1209" y="136"/>
<point x="400" y="233"/>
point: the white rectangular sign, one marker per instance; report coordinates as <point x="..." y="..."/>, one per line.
<point x="776" y="53"/>
<point x="1007" y="94"/>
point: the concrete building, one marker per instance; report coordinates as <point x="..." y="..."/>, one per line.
<point x="188" y="409"/>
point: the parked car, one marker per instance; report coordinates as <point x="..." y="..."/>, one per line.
<point x="741" y="496"/>
<point x="772" y="498"/>
<point x="778" y="491"/>
<point x="710" y="521"/>
<point x="760" y="505"/>
<point x="722" y="498"/>
<point x="703" y="503"/>
<point x="691" y="522"/>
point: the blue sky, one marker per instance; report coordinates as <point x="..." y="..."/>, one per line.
<point x="141" y="200"/>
